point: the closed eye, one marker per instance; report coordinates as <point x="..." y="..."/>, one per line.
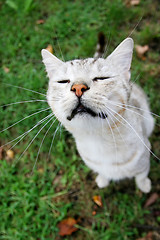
<point x="100" y="78"/>
<point x="64" y="81"/>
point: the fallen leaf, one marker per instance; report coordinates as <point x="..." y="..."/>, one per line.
<point x="147" y="237"/>
<point x="6" y="69"/>
<point x="10" y="154"/>
<point x="49" y="48"/>
<point x="1" y="153"/>
<point x="152" y="199"/>
<point x="40" y="21"/>
<point x="130" y="3"/>
<point x="134" y="2"/>
<point x="141" y="50"/>
<point x="66" y="226"/>
<point x="97" y="199"/>
<point x="40" y="170"/>
<point x="94" y="213"/>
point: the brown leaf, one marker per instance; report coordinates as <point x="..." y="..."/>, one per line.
<point x="97" y="199"/>
<point x="94" y="213"/>
<point x="10" y="154"/>
<point x="152" y="199"/>
<point x="141" y="50"/>
<point x="49" y="48"/>
<point x="6" y="69"/>
<point x="66" y="226"/>
<point x="40" y="21"/>
<point x="147" y="237"/>
<point x="134" y="2"/>
<point x="40" y="170"/>
<point x="130" y="3"/>
<point x="1" y="153"/>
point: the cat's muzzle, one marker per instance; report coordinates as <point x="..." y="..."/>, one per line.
<point x="81" y="109"/>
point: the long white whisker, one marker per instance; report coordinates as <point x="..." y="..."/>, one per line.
<point x="41" y="144"/>
<point x="26" y="89"/>
<point x="24" y="119"/>
<point x="110" y="115"/>
<point x="39" y="122"/>
<point x="112" y="136"/>
<point x="32" y="140"/>
<point x="148" y="111"/>
<point x="141" y="115"/>
<point x="134" y="132"/>
<point x="135" y="26"/>
<point x="26" y="133"/>
<point x="27" y="101"/>
<point x="53" y="140"/>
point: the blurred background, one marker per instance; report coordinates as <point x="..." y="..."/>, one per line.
<point x="42" y="178"/>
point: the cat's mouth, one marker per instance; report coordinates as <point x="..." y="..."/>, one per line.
<point x="81" y="109"/>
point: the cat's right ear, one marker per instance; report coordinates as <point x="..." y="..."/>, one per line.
<point x="50" y="61"/>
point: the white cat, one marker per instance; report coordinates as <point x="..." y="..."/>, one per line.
<point x="108" y="115"/>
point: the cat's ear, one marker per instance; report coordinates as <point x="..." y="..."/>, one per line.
<point x="121" y="57"/>
<point x="50" y="61"/>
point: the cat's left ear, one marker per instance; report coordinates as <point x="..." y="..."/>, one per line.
<point x="50" y="61"/>
<point x="121" y="57"/>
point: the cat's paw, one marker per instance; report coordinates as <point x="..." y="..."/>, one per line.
<point x="144" y="185"/>
<point x="101" y="181"/>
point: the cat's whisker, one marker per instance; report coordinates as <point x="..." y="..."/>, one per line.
<point x="113" y="136"/>
<point x="107" y="46"/>
<point x="26" y="89"/>
<point x="27" y="101"/>
<point x="33" y="140"/>
<point x="144" y="110"/>
<point x="28" y="131"/>
<point x="141" y="115"/>
<point x="59" y="47"/>
<point x="41" y="145"/>
<point x="54" y="134"/>
<point x="137" y="24"/>
<point x="110" y="115"/>
<point x="24" y="119"/>
<point x="134" y="132"/>
<point x="133" y="81"/>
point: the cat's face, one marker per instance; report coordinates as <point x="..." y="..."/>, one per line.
<point x="82" y="92"/>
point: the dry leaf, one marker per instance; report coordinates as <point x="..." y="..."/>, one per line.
<point x="97" y="199"/>
<point x="152" y="199"/>
<point x="1" y="153"/>
<point x="130" y="3"/>
<point x="6" y="70"/>
<point x="141" y="50"/>
<point x="147" y="237"/>
<point x="40" y="170"/>
<point x="10" y="154"/>
<point x="134" y="2"/>
<point x="40" y="21"/>
<point x="66" y="226"/>
<point x="94" y="213"/>
<point x="50" y="48"/>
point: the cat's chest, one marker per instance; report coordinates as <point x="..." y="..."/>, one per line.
<point x="98" y="149"/>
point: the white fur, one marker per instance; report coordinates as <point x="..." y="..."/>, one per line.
<point x="116" y="147"/>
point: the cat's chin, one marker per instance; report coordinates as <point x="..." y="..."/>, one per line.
<point x="81" y="110"/>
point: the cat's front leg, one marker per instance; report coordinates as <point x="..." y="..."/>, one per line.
<point x="101" y="181"/>
<point x="143" y="182"/>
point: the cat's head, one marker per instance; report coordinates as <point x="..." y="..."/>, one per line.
<point x="82" y="93"/>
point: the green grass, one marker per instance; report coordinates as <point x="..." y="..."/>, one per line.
<point x="31" y="205"/>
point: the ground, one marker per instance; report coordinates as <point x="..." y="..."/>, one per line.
<point x="35" y="198"/>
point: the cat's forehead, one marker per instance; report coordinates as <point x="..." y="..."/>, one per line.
<point x="85" y="63"/>
<point x="87" y="66"/>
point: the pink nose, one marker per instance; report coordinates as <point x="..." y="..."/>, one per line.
<point x="79" y="89"/>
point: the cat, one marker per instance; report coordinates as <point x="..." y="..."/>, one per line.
<point x="107" y="114"/>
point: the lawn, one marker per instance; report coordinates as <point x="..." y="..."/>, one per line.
<point x="43" y="180"/>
